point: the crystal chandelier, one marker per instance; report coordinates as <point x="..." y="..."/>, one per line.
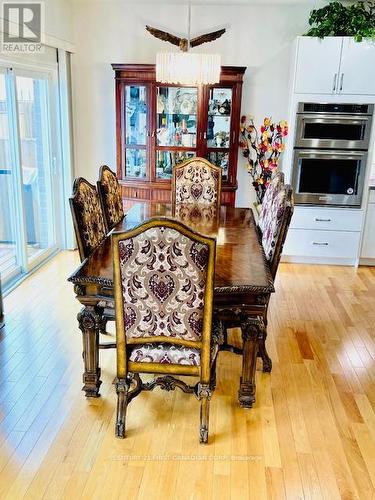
<point x="188" y="68"/>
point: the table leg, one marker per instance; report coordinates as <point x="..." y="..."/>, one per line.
<point x="90" y="321"/>
<point x="252" y="333"/>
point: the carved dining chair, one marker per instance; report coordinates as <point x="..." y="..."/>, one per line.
<point x="196" y="181"/>
<point x="90" y="230"/>
<point x="274" y="220"/>
<point x="273" y="225"/>
<point x="163" y="279"/>
<point x="88" y="219"/>
<point x="110" y="196"/>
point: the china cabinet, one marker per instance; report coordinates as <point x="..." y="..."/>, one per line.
<point x="161" y="125"/>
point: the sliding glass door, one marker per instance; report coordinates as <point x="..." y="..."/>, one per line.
<point x="10" y="263"/>
<point x="36" y="161"/>
<point x="27" y="206"/>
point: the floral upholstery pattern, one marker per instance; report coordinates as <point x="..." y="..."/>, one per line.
<point x="165" y="353"/>
<point x="272" y="220"/>
<point x="272" y="190"/>
<point x="196" y="182"/>
<point x="196" y="214"/>
<point x="110" y="191"/>
<point x="169" y="354"/>
<point x="89" y="215"/>
<point x="163" y="275"/>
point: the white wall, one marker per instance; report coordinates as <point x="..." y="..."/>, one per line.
<point x="258" y="36"/>
<point x="58" y="19"/>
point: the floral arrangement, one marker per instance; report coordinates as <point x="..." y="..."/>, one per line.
<point x="262" y="150"/>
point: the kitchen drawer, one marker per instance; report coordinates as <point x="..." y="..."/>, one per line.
<point x="371" y="198"/>
<point x="328" y="244"/>
<point x="335" y="219"/>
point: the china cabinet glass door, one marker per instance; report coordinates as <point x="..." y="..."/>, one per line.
<point x="136" y="119"/>
<point x="218" y="132"/>
<point x="176" y="127"/>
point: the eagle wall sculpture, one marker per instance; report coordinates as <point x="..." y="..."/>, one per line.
<point x="183" y="43"/>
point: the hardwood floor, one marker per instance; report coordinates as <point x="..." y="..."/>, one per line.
<point x="311" y="433"/>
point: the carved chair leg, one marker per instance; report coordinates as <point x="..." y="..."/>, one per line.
<point x="122" y="390"/>
<point x="267" y="361"/>
<point x="213" y="376"/>
<point x="89" y="320"/>
<point x="224" y="346"/>
<point x="103" y="327"/>
<point x="204" y="395"/>
<point x="225" y="334"/>
<point x="252" y="330"/>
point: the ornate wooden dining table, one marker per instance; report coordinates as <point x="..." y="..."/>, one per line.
<point x="243" y="284"/>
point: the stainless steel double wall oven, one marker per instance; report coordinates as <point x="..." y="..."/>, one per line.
<point x="330" y="153"/>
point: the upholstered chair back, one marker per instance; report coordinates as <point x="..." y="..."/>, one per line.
<point x="88" y="219"/>
<point x="164" y="287"/>
<point x="197" y="181"/>
<point x="277" y="182"/>
<point x="109" y="191"/>
<point x="275" y="220"/>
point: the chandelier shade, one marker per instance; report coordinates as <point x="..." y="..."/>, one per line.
<point x="187" y="68"/>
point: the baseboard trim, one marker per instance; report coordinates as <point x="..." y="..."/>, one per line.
<point x="333" y="261"/>
<point x="367" y="262"/>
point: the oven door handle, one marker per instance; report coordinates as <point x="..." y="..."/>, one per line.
<point x="355" y="119"/>
<point x="341" y="82"/>
<point x="334" y="83"/>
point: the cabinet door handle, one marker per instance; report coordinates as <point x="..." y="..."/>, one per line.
<point x="204" y="135"/>
<point x="322" y="220"/>
<point x="325" y="244"/>
<point x="233" y="136"/>
<point x="153" y="133"/>
<point x="341" y="81"/>
<point x="334" y="82"/>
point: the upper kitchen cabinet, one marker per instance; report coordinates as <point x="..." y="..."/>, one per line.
<point x="160" y="125"/>
<point x="357" y="72"/>
<point x="334" y="66"/>
<point x="318" y="64"/>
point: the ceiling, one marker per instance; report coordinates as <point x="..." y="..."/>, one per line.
<point x="312" y="3"/>
<point x="224" y="2"/>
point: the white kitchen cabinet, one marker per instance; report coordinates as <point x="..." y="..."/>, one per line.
<point x="324" y="234"/>
<point x="318" y="64"/>
<point x="357" y="69"/>
<point x="335" y="66"/>
<point x="328" y="246"/>
<point x="368" y="244"/>
<point x="327" y="219"/>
